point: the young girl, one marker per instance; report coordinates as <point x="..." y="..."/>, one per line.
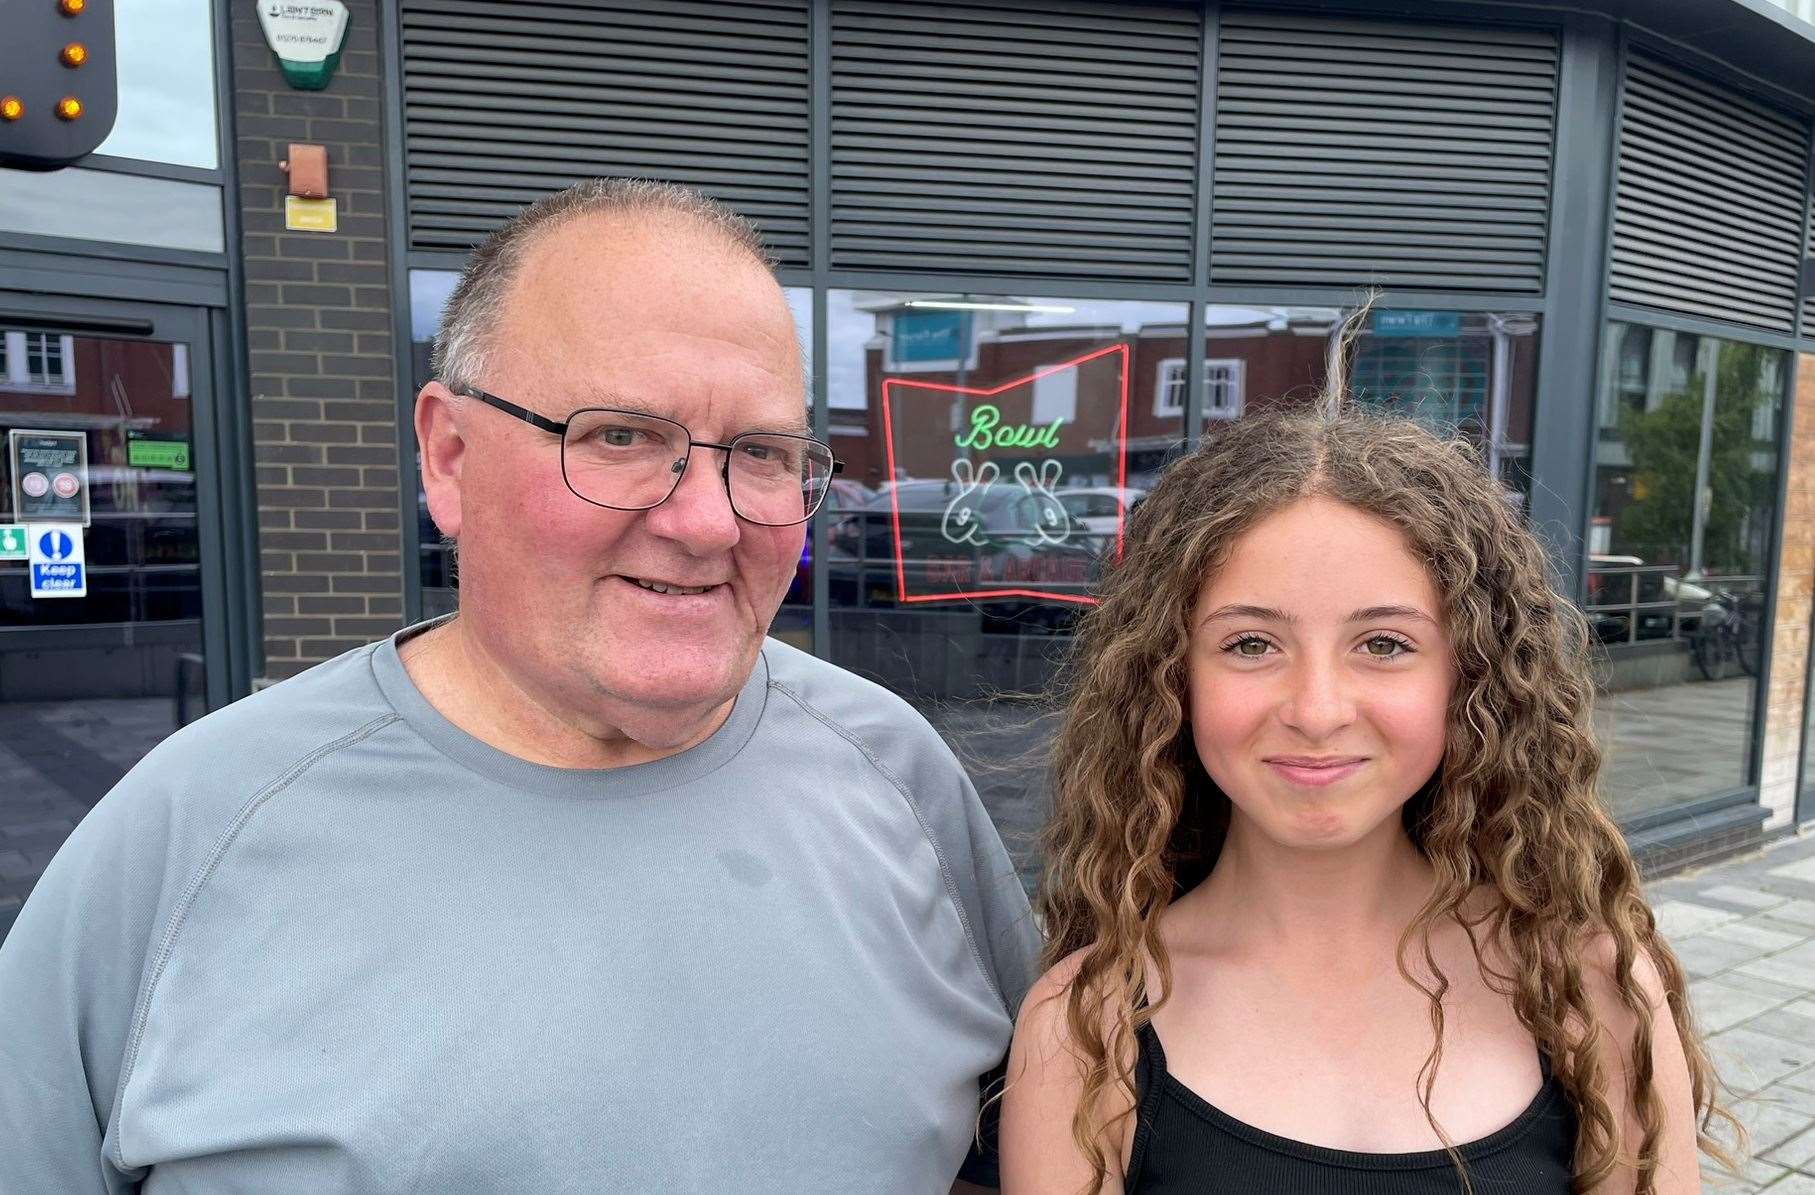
<point x="1332" y="904"/>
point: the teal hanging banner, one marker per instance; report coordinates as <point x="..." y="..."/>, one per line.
<point x="930" y="337"/>
<point x="1417" y="323"/>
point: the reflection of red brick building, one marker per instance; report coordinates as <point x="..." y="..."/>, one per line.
<point x="1254" y="360"/>
<point x="115" y="390"/>
<point x="109" y="388"/>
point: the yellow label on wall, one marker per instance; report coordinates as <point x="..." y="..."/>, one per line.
<point x="309" y="215"/>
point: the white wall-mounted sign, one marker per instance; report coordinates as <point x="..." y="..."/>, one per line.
<point x="305" y="36"/>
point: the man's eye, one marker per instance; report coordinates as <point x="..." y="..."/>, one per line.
<point x="620" y="437"/>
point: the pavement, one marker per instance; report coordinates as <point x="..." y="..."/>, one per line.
<point x="1744" y="930"/>
<point x="56" y="760"/>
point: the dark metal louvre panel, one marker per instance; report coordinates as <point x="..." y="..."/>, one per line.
<point x="1808" y="265"/>
<point x="505" y="102"/>
<point x="1708" y="209"/>
<point x="1038" y="138"/>
<point x="1354" y="151"/>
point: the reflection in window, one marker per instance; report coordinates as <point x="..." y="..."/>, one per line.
<point x="166" y="111"/>
<point x="1222" y="388"/>
<point x="994" y="446"/>
<point x="142" y="546"/>
<point x="1472" y="373"/>
<point x="40" y="362"/>
<point x="1686" y="459"/>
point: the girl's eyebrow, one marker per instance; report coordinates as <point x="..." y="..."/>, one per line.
<point x="1270" y="614"/>
<point x="1376" y="613"/>
<point x="1239" y="610"/>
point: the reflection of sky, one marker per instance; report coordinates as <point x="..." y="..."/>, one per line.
<point x="849" y="330"/>
<point x="101" y="205"/>
<point x="429" y="292"/>
<point x="166" y="70"/>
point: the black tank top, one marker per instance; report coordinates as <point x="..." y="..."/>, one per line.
<point x="1183" y="1144"/>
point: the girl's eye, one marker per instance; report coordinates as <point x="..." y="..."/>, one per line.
<point x="1248" y="647"/>
<point x="1387" y="647"/>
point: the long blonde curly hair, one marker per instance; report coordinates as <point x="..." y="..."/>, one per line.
<point x="1512" y="808"/>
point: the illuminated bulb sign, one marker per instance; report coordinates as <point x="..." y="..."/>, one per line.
<point x="991" y="525"/>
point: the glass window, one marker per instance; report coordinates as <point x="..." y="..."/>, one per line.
<point x="1686" y="460"/>
<point x="429" y="293"/>
<point x="993" y="446"/>
<point x="38" y="362"/>
<point x="100" y="205"/>
<point x="1469" y="372"/>
<point x="118" y="401"/>
<point x="166" y="111"/>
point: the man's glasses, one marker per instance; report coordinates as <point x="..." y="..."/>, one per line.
<point x="626" y="460"/>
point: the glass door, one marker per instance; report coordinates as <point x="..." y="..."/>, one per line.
<point x="108" y="548"/>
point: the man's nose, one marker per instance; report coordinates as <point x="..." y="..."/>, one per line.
<point x="698" y="514"/>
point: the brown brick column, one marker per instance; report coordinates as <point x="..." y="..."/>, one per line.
<point x="1795" y="603"/>
<point x="318" y="324"/>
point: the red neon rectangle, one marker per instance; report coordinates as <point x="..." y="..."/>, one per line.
<point x="1121" y="451"/>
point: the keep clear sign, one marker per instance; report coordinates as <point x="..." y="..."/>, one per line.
<point x="59" y="569"/>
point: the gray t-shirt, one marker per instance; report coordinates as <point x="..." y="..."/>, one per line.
<point x="325" y="941"/>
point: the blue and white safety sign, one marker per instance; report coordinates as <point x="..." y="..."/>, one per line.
<point x="59" y="569"/>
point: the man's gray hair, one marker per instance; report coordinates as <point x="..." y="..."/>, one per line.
<point x="476" y="307"/>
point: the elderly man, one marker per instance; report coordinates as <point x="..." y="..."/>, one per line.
<point x="589" y="888"/>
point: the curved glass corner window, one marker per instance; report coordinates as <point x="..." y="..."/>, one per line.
<point x="1686" y="456"/>
<point x="429" y="293"/>
<point x="165" y="51"/>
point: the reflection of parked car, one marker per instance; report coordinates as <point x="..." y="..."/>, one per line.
<point x="1664" y="603"/>
<point x="843" y="494"/>
<point x="1100" y="508"/>
<point x="1002" y="545"/>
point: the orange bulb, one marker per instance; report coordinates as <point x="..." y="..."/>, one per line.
<point x="69" y="107"/>
<point x="11" y="107"/>
<point x="71" y="8"/>
<point x="74" y="54"/>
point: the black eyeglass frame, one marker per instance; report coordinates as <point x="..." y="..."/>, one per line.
<point x="680" y="466"/>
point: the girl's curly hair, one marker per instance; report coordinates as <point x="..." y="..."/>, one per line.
<point x="1512" y="808"/>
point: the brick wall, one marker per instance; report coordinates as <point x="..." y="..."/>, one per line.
<point x="1795" y="598"/>
<point x="318" y="322"/>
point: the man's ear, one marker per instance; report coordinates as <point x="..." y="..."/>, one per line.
<point x="442" y="444"/>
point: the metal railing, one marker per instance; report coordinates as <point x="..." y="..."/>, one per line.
<point x="1670" y="600"/>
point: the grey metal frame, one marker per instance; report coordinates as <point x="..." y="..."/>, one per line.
<point x="390" y="56"/>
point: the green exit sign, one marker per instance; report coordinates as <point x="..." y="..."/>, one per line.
<point x="12" y="542"/>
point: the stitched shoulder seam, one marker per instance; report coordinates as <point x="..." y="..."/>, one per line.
<point x="945" y="871"/>
<point x="178" y="916"/>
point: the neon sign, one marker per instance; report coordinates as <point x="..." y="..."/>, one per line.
<point x="1028" y="561"/>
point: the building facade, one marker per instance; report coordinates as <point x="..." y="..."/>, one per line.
<point x="1034" y="251"/>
